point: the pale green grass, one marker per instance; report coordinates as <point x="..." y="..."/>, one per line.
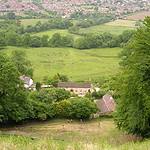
<point x="59" y="135"/>
<point x="122" y="23"/>
<point x="27" y="22"/>
<point x="76" y="64"/>
<point x="106" y="28"/>
<point x="50" y="33"/>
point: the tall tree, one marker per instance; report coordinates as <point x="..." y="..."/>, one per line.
<point x="133" y="112"/>
<point x="23" y="65"/>
<point x="13" y="98"/>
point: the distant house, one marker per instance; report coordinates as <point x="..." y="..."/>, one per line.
<point x="80" y="89"/>
<point x="106" y="105"/>
<point x="28" y="82"/>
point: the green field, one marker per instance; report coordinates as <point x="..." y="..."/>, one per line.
<point x="99" y="134"/>
<point x="122" y="23"/>
<point x="114" y="27"/>
<point x="53" y="31"/>
<point x="27" y="22"/>
<point x="106" y="28"/>
<point x="76" y="64"/>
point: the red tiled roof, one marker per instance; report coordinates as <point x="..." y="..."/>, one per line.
<point x="106" y="104"/>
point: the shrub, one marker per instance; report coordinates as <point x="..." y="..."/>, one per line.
<point x="81" y="108"/>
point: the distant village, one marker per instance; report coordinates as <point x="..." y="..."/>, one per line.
<point x="66" y="8"/>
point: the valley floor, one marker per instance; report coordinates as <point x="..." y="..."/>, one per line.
<point x="100" y="134"/>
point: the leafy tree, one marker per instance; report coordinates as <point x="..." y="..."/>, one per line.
<point x="11" y="15"/>
<point x="81" y="108"/>
<point x="56" y="41"/>
<point x="74" y="29"/>
<point x="49" y="96"/>
<point x="44" y="41"/>
<point x="2" y="39"/>
<point x="23" y="65"/>
<point x="35" y="41"/>
<point x="26" y="39"/>
<point x="133" y="111"/>
<point x="13" y="98"/>
<point x="56" y="79"/>
<point x="13" y="39"/>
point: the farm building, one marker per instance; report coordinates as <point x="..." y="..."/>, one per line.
<point x="106" y="105"/>
<point x="80" y="89"/>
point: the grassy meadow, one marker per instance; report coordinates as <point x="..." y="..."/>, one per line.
<point x="78" y="65"/>
<point x="27" y="22"/>
<point x="50" y="33"/>
<point x="99" y="134"/>
<point x="122" y="23"/>
<point x="113" y="29"/>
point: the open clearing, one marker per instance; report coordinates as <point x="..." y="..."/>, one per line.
<point x="78" y="65"/>
<point x="99" y="134"/>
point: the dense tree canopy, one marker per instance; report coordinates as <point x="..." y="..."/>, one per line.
<point x="13" y="97"/>
<point x="133" y="112"/>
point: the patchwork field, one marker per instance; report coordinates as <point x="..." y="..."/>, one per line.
<point x="122" y="23"/>
<point x="100" y="134"/>
<point x="106" y="28"/>
<point x="76" y="64"/>
<point x="139" y="15"/>
<point x="27" y="22"/>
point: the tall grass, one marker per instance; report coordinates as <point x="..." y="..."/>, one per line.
<point x="24" y="143"/>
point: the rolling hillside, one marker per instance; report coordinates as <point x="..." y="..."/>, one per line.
<point x="76" y="64"/>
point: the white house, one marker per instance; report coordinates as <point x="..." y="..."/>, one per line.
<point x="28" y="82"/>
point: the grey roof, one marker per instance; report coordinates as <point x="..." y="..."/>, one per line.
<point x="73" y="85"/>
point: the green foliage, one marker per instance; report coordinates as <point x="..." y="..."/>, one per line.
<point x="133" y="112"/>
<point x="81" y="108"/>
<point x="35" y="41"/>
<point x="102" y="40"/>
<point x="62" y="109"/>
<point x="98" y="95"/>
<point x="38" y="86"/>
<point x="11" y="15"/>
<point x="40" y="110"/>
<point x="13" y="97"/>
<point x="49" y="96"/>
<point x="23" y="65"/>
<point x="56" y="79"/>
